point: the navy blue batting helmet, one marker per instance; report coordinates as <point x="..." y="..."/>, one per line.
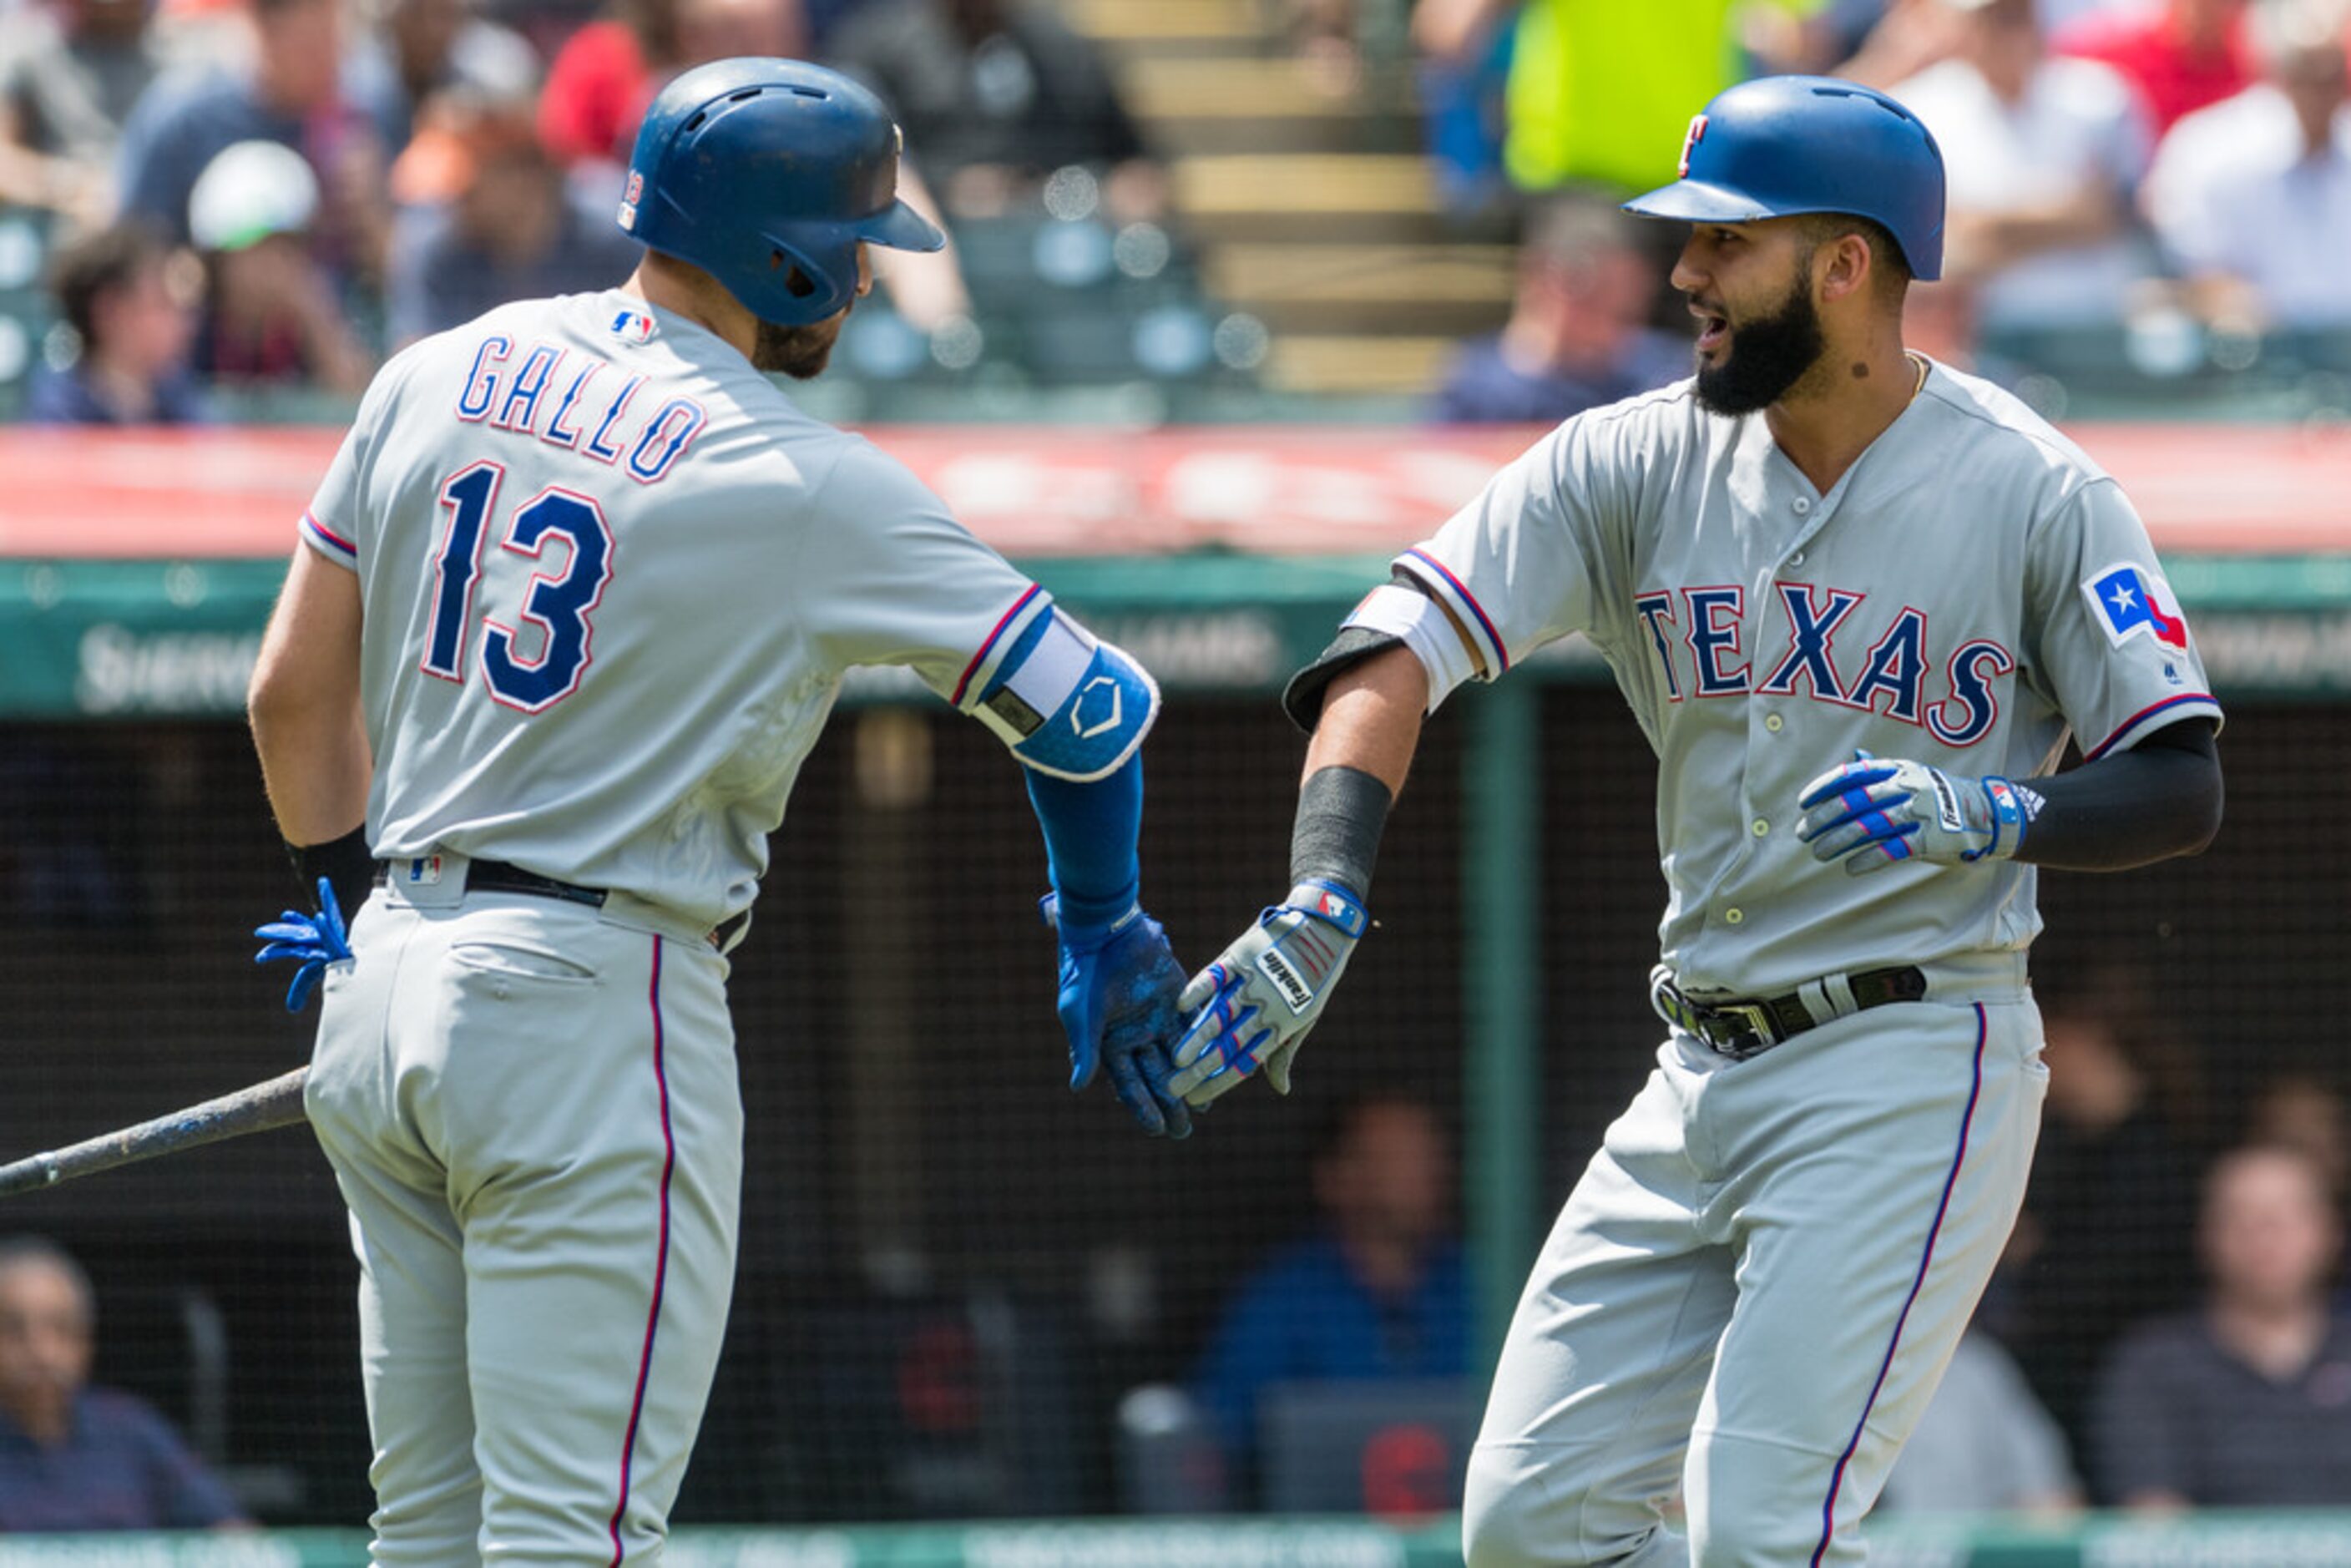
<point x="766" y="173"/>
<point x="1778" y="146"/>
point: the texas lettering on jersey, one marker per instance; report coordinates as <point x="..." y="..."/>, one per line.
<point x="579" y="403"/>
<point x="1705" y="641"/>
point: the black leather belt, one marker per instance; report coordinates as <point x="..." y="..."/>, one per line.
<point x="1743" y="1026"/>
<point x="498" y="876"/>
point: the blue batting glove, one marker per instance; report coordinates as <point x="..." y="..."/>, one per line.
<point x="314" y="941"/>
<point x="1873" y="811"/>
<point x="1117" y="1004"/>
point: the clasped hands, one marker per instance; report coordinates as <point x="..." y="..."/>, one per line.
<point x="1173" y="1047"/>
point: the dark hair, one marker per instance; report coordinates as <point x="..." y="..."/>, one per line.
<point x="106" y="262"/>
<point x="1892" y="267"/>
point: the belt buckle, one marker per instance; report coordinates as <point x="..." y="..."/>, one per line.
<point x="1757" y="1030"/>
<point x="1734" y="1029"/>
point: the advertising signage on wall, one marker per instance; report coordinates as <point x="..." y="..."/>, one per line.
<point x="136" y="569"/>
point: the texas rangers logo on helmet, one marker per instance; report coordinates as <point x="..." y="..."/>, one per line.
<point x="1696" y="134"/>
<point x="2129" y="600"/>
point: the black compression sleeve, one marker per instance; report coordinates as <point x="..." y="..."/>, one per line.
<point x="346" y="863"/>
<point x="2162" y="798"/>
<point x="1341" y="813"/>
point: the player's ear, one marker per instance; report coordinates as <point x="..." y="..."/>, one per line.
<point x="1844" y="267"/>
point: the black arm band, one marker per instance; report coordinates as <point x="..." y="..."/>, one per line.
<point x="1341" y="812"/>
<point x="346" y="863"/>
<point x="1301" y="699"/>
<point x="2162" y="798"/>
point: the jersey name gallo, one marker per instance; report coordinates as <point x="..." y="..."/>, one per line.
<point x="580" y="403"/>
<point x="1828" y="643"/>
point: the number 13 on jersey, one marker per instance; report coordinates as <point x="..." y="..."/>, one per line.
<point x="557" y="602"/>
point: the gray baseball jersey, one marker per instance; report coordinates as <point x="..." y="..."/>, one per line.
<point x="1971" y="588"/>
<point x="609" y="581"/>
<point x="1749" y="1297"/>
<point x="628" y="575"/>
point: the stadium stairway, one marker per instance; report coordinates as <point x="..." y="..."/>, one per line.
<point x="1307" y="199"/>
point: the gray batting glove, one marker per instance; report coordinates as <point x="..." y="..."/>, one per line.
<point x="1879" y="810"/>
<point x="1252" y="1007"/>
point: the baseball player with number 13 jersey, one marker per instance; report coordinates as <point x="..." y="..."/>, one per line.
<point x="570" y="608"/>
<point x="1858" y="602"/>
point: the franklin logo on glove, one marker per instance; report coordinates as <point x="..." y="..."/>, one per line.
<point x="1294" y="989"/>
<point x="1947" y="801"/>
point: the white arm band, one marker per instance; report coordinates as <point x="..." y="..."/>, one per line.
<point x="1421" y="625"/>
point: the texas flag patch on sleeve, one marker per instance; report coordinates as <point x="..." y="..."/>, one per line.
<point x="2131" y="599"/>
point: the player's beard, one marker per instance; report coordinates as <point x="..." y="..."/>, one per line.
<point x="800" y="353"/>
<point x="1765" y="357"/>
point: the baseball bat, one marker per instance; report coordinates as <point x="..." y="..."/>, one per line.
<point x="253" y="1109"/>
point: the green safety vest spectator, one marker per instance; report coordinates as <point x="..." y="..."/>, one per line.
<point x="1602" y="91"/>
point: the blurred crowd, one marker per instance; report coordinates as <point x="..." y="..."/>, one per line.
<point x="242" y="194"/>
<point x="2165" y="180"/>
<point x="2168" y="1328"/>
<point x="74" y="1455"/>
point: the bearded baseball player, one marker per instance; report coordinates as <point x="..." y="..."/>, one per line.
<point x="567" y="612"/>
<point x="1858" y="602"/>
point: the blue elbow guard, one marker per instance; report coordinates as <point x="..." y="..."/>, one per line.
<point x="1068" y="704"/>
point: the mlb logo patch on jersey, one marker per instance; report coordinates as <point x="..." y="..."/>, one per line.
<point x="633" y="327"/>
<point x="2131" y="599"/>
<point x="420" y="870"/>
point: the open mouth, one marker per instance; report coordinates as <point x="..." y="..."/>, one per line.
<point x="1713" y="329"/>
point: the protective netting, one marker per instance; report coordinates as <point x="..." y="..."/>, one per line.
<point x="953" y="1273"/>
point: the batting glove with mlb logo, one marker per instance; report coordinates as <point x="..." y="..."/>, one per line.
<point x="1878" y="810"/>
<point x="1252" y="1007"/>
